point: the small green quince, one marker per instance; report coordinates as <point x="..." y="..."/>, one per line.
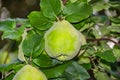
<point x="29" y="72"/>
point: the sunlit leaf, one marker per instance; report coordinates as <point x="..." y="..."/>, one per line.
<point x="39" y="21"/>
<point x="77" y="11"/>
<point x="51" y="8"/>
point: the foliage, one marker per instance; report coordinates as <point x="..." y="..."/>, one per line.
<point x="97" y="20"/>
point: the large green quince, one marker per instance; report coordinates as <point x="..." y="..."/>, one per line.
<point x="29" y="72"/>
<point x="62" y="41"/>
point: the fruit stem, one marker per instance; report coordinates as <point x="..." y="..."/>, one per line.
<point x="30" y="59"/>
<point x="26" y="62"/>
<point x="57" y="18"/>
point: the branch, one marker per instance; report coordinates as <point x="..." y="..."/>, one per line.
<point x="105" y="39"/>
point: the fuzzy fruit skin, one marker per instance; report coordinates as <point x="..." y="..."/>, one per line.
<point x="62" y="41"/>
<point x="29" y="72"/>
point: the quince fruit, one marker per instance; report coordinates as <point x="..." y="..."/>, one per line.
<point x="29" y="72"/>
<point x="62" y="41"/>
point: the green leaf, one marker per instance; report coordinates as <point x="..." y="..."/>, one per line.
<point x="76" y="72"/>
<point x="72" y="1"/>
<point x="105" y="65"/>
<point x="21" y="56"/>
<point x="97" y="33"/>
<point x="7" y="25"/>
<point x="99" y="18"/>
<point x="23" y="22"/>
<point x="100" y="5"/>
<point x="38" y="21"/>
<point x="87" y="26"/>
<point x="115" y="20"/>
<point x="104" y="31"/>
<point x="115" y="4"/>
<point x="8" y="67"/>
<point x="56" y="71"/>
<point x="114" y="28"/>
<point x="87" y="66"/>
<point x="101" y="75"/>
<point x="45" y="61"/>
<point x="116" y="52"/>
<point x="51" y="8"/>
<point x="77" y="11"/>
<point x="107" y="55"/>
<point x="10" y="30"/>
<point x="83" y="59"/>
<point x="33" y="45"/>
<point x="14" y="34"/>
